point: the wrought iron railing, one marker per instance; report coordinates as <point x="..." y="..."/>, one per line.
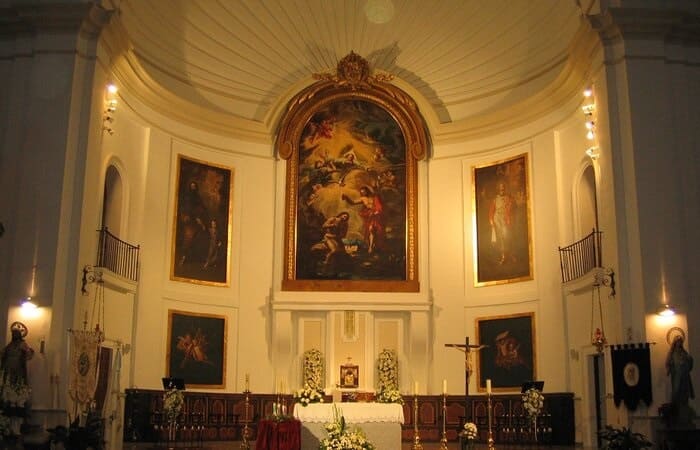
<point x="118" y="256"/>
<point x="581" y="257"/>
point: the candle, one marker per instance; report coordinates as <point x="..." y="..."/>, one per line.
<point x="415" y="388"/>
<point x="444" y="386"/>
<point x="488" y="386"/>
<point x="247" y="381"/>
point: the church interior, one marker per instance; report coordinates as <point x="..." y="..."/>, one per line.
<point x="435" y="207"/>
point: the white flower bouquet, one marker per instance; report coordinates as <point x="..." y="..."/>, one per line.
<point x="313" y="369"/>
<point x="173" y="401"/>
<point x="388" y="384"/>
<point x="342" y="438"/>
<point x="15" y="394"/>
<point x="469" y="431"/>
<point x="533" y="402"/>
<point x="308" y="395"/>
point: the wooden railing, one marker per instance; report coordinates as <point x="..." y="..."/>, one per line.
<point x="581" y="257"/>
<point x="118" y="256"/>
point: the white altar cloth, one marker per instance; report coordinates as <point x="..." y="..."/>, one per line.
<point x="381" y="422"/>
<point x="353" y="412"/>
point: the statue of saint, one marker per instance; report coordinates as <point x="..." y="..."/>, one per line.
<point x="14" y="359"/>
<point x="679" y="363"/>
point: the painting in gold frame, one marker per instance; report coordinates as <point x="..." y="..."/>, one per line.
<point x="509" y="358"/>
<point x="196" y="349"/>
<point x="352" y="142"/>
<point x="202" y="223"/>
<point x="501" y="222"/>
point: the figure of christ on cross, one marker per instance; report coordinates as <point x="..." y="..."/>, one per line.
<point x="467" y="349"/>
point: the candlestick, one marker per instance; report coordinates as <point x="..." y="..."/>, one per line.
<point x="416" y="437"/>
<point x="443" y="440"/>
<point x="245" y="444"/>
<point x="247" y="382"/>
<point x="490" y="410"/>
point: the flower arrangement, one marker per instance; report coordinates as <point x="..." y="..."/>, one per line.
<point x="533" y="402"/>
<point x="308" y="395"/>
<point x="173" y="401"/>
<point x="388" y="384"/>
<point x="313" y="369"/>
<point x="15" y="394"/>
<point x="470" y="432"/>
<point x="340" y="437"/>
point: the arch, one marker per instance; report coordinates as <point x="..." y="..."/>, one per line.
<point x="585" y="200"/>
<point x="114" y="198"/>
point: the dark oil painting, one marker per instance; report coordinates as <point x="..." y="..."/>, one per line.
<point x="197" y="348"/>
<point x="202" y="225"/>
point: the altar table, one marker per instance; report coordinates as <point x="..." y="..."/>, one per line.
<point x="278" y="435"/>
<point x="380" y="422"/>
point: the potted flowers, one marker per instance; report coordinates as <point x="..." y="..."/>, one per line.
<point x="623" y="439"/>
<point x="468" y="435"/>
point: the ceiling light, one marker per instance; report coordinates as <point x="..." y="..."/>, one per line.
<point x="666" y="310"/>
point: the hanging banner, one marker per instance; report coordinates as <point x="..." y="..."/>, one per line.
<point x="631" y="366"/>
<point x="83" y="364"/>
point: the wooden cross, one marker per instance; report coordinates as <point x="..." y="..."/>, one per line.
<point x="467" y="348"/>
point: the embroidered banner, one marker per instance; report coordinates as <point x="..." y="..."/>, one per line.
<point x="631" y="366"/>
<point x="83" y="364"/>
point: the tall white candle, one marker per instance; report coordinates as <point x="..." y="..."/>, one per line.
<point x="444" y="386"/>
<point x="488" y="386"/>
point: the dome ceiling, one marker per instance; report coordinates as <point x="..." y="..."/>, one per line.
<point x="245" y="58"/>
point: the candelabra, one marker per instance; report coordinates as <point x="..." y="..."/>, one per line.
<point x="490" y="412"/>
<point x="245" y="445"/>
<point x="416" y="437"/>
<point x="443" y="440"/>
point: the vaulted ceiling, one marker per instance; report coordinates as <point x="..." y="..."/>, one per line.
<point x="244" y="58"/>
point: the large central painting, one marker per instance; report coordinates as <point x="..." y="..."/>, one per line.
<point x="352" y="142"/>
<point x="351" y="207"/>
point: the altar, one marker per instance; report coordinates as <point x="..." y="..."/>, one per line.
<point x="380" y="422"/>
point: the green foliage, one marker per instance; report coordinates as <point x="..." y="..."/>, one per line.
<point x="623" y="439"/>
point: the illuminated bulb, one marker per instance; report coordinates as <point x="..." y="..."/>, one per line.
<point x="587" y="92"/>
<point x="112" y="88"/>
<point x="590" y="124"/>
<point x="590" y="135"/>
<point x="27" y="304"/>
<point x="666" y="310"/>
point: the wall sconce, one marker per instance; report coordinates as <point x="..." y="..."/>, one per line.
<point x="110" y="108"/>
<point x="27" y="304"/>
<point x="666" y="310"/>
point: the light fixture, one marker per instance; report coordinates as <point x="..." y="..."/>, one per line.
<point x="27" y="304"/>
<point x="588" y="92"/>
<point x="666" y="310"/>
<point x="593" y="152"/>
<point x="110" y="108"/>
<point x="588" y="109"/>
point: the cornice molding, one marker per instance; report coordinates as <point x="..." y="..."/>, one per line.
<point x="615" y="24"/>
<point x="87" y="18"/>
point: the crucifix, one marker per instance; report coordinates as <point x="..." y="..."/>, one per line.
<point x="467" y="348"/>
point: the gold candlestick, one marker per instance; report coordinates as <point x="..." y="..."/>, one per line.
<point x="245" y="445"/>
<point x="443" y="441"/>
<point x="416" y="437"/>
<point x="490" y="410"/>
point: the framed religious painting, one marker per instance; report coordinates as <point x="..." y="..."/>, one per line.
<point x="351" y="142"/>
<point x="202" y="223"/>
<point x="501" y="222"/>
<point x="349" y="376"/>
<point x="508" y="358"/>
<point x="196" y="349"/>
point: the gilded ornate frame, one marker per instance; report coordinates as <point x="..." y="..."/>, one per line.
<point x="352" y="83"/>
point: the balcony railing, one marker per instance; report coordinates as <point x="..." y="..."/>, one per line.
<point x="118" y="256"/>
<point x="580" y="257"/>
